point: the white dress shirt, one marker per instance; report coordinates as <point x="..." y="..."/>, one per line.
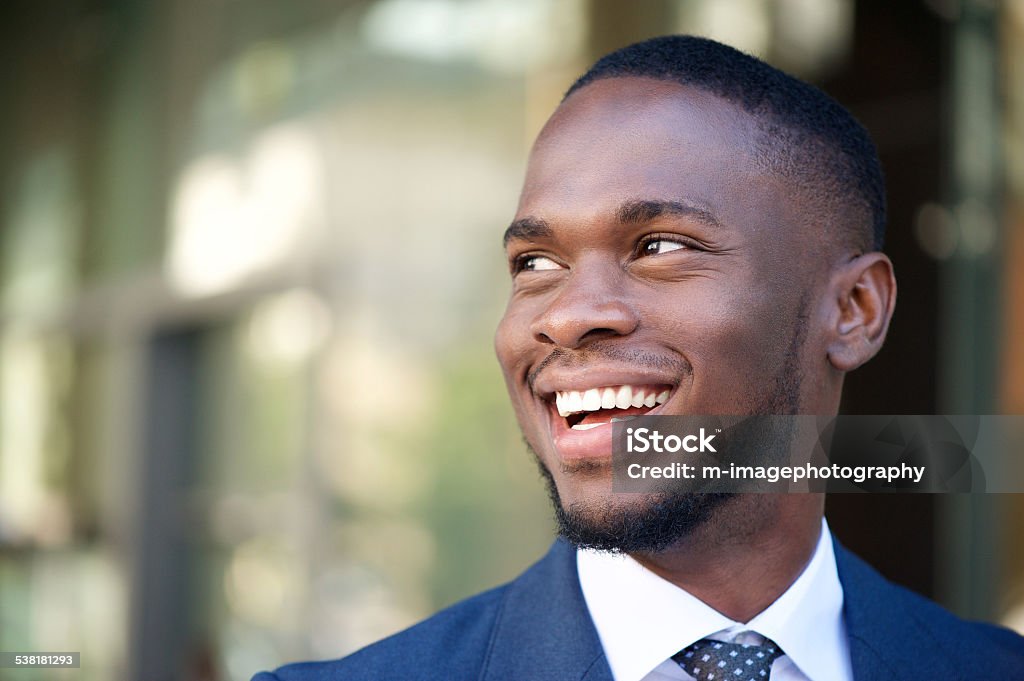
<point x="643" y="620"/>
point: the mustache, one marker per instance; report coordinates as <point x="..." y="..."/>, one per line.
<point x="598" y="351"/>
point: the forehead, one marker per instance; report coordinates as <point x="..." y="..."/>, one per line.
<point x="637" y="138"/>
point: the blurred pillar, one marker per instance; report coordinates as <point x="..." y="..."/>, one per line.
<point x="162" y="586"/>
<point x="1012" y="374"/>
<point x="969" y="524"/>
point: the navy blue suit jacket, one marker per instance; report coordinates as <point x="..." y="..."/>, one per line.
<point x="537" y="628"/>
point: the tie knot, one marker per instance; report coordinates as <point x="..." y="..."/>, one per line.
<point x="708" y="660"/>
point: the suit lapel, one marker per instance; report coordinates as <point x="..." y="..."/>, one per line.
<point x="544" y="630"/>
<point x="886" y="639"/>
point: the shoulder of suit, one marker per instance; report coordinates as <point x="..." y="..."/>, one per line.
<point x="984" y="640"/>
<point x="447" y="645"/>
<point x="962" y="641"/>
<point x="892" y="626"/>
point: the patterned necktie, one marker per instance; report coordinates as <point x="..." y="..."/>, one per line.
<point x="708" y="660"/>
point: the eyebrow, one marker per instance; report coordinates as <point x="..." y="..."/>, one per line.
<point x="631" y="212"/>
<point x="639" y="211"/>
<point x="527" y="229"/>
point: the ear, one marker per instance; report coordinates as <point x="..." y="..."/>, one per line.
<point x="864" y="291"/>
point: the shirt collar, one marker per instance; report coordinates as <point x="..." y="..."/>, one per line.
<point x="642" y="619"/>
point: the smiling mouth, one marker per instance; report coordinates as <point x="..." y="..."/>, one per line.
<point x="586" y="409"/>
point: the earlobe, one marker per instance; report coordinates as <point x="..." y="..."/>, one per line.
<point x="864" y="295"/>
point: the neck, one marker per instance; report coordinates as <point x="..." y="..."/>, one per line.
<point x="741" y="561"/>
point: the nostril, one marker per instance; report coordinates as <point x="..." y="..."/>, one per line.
<point x="595" y="334"/>
<point x="542" y="337"/>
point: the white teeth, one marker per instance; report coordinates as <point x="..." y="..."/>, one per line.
<point x="616" y="419"/>
<point x="621" y="397"/>
<point x="592" y="400"/>
<point x="568" y="402"/>
<point x="608" y="398"/>
<point x="587" y="426"/>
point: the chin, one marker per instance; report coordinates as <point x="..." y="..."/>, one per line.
<point x="593" y="517"/>
<point x="651" y="526"/>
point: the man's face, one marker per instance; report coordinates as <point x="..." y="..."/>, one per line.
<point x="655" y="263"/>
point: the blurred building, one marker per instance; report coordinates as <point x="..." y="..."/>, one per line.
<point x="250" y="270"/>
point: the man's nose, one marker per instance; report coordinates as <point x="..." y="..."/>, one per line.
<point x="591" y="305"/>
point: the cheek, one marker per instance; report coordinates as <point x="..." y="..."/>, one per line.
<point x="734" y="337"/>
<point x="513" y="346"/>
<point x="711" y="315"/>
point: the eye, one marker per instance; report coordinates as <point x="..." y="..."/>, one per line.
<point x="534" y="263"/>
<point x="659" y="245"/>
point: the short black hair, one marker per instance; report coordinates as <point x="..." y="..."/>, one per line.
<point x="808" y="137"/>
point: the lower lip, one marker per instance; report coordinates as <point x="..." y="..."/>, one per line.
<point x="593" y="444"/>
<point x="575" y="445"/>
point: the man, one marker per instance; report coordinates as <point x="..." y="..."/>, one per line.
<point x="698" y="233"/>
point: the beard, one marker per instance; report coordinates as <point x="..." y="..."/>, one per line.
<point x="653" y="525"/>
<point x="662" y="520"/>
